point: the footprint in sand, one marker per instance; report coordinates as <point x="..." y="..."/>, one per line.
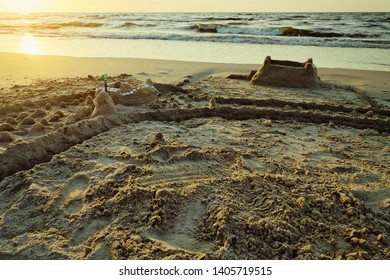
<point x="181" y="235"/>
<point x="73" y="193"/>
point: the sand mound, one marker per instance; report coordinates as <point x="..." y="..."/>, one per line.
<point x="44" y="122"/>
<point x="39" y="113"/>
<point x="286" y="74"/>
<point x="5" y="137"/>
<point x="54" y="118"/>
<point x="38" y="127"/>
<point x="104" y="104"/>
<point x="11" y="120"/>
<point x="22" y="115"/>
<point x="28" y="121"/>
<point x="6" y="127"/>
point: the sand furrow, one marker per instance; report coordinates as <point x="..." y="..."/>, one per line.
<point x="26" y="155"/>
<point x="302" y="105"/>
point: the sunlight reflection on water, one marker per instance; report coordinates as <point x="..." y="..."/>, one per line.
<point x="30" y="45"/>
<point x="331" y="57"/>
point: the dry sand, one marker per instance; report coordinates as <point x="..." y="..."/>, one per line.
<point x="214" y="169"/>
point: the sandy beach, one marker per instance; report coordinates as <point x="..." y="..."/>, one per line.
<point x="211" y="168"/>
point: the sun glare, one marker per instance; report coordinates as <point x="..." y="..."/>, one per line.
<point x="22" y="6"/>
<point x="30" y="45"/>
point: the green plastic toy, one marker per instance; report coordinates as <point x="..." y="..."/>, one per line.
<point x="105" y="78"/>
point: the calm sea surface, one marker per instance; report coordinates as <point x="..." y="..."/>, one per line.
<point x="349" y="40"/>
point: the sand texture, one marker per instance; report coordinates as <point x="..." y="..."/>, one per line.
<point x="213" y="169"/>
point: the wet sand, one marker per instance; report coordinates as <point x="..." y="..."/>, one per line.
<point x="213" y="169"/>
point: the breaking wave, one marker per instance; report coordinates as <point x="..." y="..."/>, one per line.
<point x="272" y="31"/>
<point x="69" y="24"/>
<point x="128" y="24"/>
<point x="52" y="25"/>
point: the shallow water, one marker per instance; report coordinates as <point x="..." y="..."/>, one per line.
<point x="346" y="40"/>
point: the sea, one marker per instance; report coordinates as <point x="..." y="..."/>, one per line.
<point x="336" y="40"/>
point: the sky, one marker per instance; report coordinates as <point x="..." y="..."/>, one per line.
<point x="194" y="5"/>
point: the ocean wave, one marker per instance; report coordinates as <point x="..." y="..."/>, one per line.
<point x="9" y="17"/>
<point x="234" y="29"/>
<point x="332" y="18"/>
<point x="15" y="17"/>
<point x="95" y="16"/>
<point x="51" y="26"/>
<point x="286" y="31"/>
<point x="293" y="17"/>
<point x="380" y="25"/>
<point x="184" y="37"/>
<point x="291" y="31"/>
<point x="75" y="24"/>
<point x="377" y="42"/>
<point x="206" y="28"/>
<point x="248" y="39"/>
<point x="274" y="31"/>
<point x="269" y="31"/>
<point x="128" y="24"/>
<point x="295" y="32"/>
<point x="228" y="19"/>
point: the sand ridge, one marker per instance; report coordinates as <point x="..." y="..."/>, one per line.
<point x="264" y="173"/>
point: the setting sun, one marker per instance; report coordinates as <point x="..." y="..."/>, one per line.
<point x="22" y="6"/>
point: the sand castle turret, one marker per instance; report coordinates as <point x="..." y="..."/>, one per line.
<point x="287" y="74"/>
<point x="103" y="104"/>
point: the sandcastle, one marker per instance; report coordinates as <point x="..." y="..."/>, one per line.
<point x="109" y="95"/>
<point x="131" y="95"/>
<point x="287" y="74"/>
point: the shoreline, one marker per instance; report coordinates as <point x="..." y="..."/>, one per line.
<point x="23" y="69"/>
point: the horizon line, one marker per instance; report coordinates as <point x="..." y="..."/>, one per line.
<point x="122" y="12"/>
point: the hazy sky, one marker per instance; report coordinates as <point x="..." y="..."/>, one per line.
<point x="194" y="5"/>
